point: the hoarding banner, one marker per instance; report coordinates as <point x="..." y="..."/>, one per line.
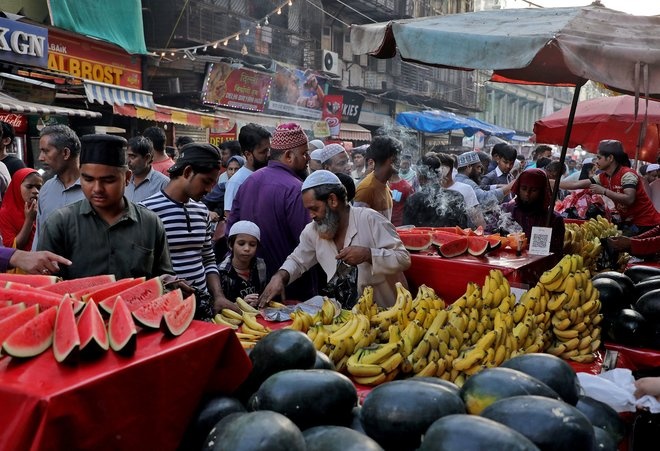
<point x="237" y="88"/>
<point x="352" y="104"/>
<point x="297" y="92"/>
<point x="22" y="43"/>
<point x="217" y="138"/>
<point x="332" y="111"/>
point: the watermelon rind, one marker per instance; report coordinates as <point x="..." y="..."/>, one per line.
<point x="150" y="315"/>
<point x="33" y="337"/>
<point x="453" y="248"/>
<point x="10" y="324"/>
<point x="92" y="332"/>
<point x="175" y="322"/>
<point x="6" y="312"/>
<point x="136" y="296"/>
<point x="121" y="329"/>
<point x="34" y="280"/>
<point x="477" y="246"/>
<point x="72" y="285"/>
<point x="108" y="290"/>
<point x="66" y="341"/>
<point x="416" y="241"/>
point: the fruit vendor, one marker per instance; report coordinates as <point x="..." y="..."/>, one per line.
<point x="623" y="186"/>
<point x="530" y="207"/>
<point x="358" y="236"/>
<point x="645" y="245"/>
<point x="105" y="233"/>
<point x="31" y="262"/>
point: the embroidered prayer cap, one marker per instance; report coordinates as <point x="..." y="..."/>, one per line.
<point x="652" y="167"/>
<point x="320" y="177"/>
<point x="316" y="155"/>
<point x="468" y="158"/>
<point x="315" y="144"/>
<point x="288" y="136"/>
<point x="246" y="227"/>
<point x="109" y="150"/>
<point x="330" y="151"/>
<point x="197" y="153"/>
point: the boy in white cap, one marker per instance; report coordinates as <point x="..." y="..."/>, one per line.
<point x="242" y="273"/>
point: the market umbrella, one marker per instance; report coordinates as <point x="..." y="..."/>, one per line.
<point x="437" y="121"/>
<point x="553" y="46"/>
<point x="604" y="118"/>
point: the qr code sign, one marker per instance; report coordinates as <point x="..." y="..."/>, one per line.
<point x="540" y="241"/>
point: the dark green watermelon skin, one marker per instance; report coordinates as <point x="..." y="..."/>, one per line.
<point x="603" y="416"/>
<point x="611" y="296"/>
<point x="638" y="273"/>
<point x="649" y="306"/>
<point x="210" y="413"/>
<point x="436" y="380"/>
<point x="323" y="362"/>
<point x="629" y="328"/>
<point x="647" y="286"/>
<point x="550" y="424"/>
<point x="471" y="432"/>
<point x="259" y="431"/>
<point x="603" y="440"/>
<point x="338" y="438"/>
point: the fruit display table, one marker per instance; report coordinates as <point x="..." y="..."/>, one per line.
<point x="635" y="359"/>
<point x="449" y="276"/>
<point x="139" y="402"/>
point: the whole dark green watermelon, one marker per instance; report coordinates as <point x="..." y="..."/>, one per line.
<point x="259" y="431"/>
<point x="629" y="328"/>
<point x="649" y="306"/>
<point x="638" y="273"/>
<point x="603" y="416"/>
<point x="338" y="438"/>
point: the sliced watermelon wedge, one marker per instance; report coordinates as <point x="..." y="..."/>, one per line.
<point x="453" y="248"/>
<point x="106" y="290"/>
<point x="494" y="242"/>
<point x="136" y="296"/>
<point x="43" y="299"/>
<point x="10" y="324"/>
<point x="477" y="246"/>
<point x="23" y="287"/>
<point x="121" y="329"/>
<point x="70" y="286"/>
<point x="175" y="322"/>
<point x="6" y="312"/>
<point x="34" y="280"/>
<point x="416" y="241"/>
<point x="33" y="337"/>
<point x="149" y="315"/>
<point x="66" y="341"/>
<point x="92" y="332"/>
<point x="440" y="238"/>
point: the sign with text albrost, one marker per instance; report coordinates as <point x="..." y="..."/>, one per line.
<point x="23" y="43"/>
<point x="93" y="60"/>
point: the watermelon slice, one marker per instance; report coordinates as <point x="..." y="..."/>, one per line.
<point x="121" y="328"/>
<point x="136" y="296"/>
<point x="494" y="242"/>
<point x="440" y="238"/>
<point x="11" y="323"/>
<point x="477" y="246"/>
<point x="43" y="299"/>
<point x="101" y="292"/>
<point x="176" y="322"/>
<point x="92" y="332"/>
<point x="5" y="303"/>
<point x="70" y="286"/>
<point x="6" y="312"/>
<point x="416" y="241"/>
<point x="34" y="280"/>
<point x="149" y="315"/>
<point x="23" y="287"/>
<point x="33" y="337"/>
<point x="454" y="248"/>
<point x="66" y="341"/>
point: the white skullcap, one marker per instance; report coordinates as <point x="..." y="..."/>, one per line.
<point x="315" y="144"/>
<point x="320" y="177"/>
<point x="330" y="151"/>
<point x="246" y="227"/>
<point x="316" y="155"/>
<point x="587" y="160"/>
<point x="652" y="167"/>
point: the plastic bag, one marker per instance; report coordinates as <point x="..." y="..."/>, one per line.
<point x="343" y="285"/>
<point x="616" y="388"/>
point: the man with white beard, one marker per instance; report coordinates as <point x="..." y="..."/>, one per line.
<point x="359" y="236"/>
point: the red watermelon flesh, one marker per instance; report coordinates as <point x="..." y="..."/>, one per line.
<point x="23" y="287"/>
<point x="149" y="315"/>
<point x="416" y="241"/>
<point x="136" y="296"/>
<point x="34" y="280"/>
<point x="494" y="242"/>
<point x="43" y="299"/>
<point x="70" y="286"/>
<point x="11" y="323"/>
<point x="121" y="328"/>
<point x="454" y="248"/>
<point x="33" y="337"/>
<point x="6" y="312"/>
<point x="477" y="246"/>
<point x="440" y="238"/>
<point x="101" y="292"/>
<point x="5" y="303"/>
<point x="66" y="341"/>
<point x="178" y="320"/>
<point x="91" y="331"/>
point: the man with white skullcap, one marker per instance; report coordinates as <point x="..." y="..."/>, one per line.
<point x="335" y="159"/>
<point x="315" y="160"/>
<point x="358" y="236"/>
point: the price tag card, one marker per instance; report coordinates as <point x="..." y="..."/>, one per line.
<point x="539" y="242"/>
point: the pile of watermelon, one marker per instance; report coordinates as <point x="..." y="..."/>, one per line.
<point x="38" y="312"/>
<point x="454" y="241"/>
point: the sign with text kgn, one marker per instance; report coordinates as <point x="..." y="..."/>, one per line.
<point x="22" y="43"/>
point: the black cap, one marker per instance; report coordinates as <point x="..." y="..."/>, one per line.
<point x="610" y="146"/>
<point x="197" y="153"/>
<point x="103" y="149"/>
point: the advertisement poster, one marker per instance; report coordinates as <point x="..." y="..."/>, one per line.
<point x="332" y="111"/>
<point x="216" y="137"/>
<point x="352" y="104"/>
<point x="297" y="92"/>
<point x="236" y="88"/>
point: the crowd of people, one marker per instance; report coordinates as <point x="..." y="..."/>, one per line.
<point x="273" y="214"/>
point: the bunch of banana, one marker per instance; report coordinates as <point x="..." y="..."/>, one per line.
<point x="397" y="314"/>
<point x="375" y="364"/>
<point x="365" y="304"/>
<point x="584" y="239"/>
<point x="427" y="297"/>
<point x="244" y="306"/>
<point x="302" y="320"/>
<point x="251" y="325"/>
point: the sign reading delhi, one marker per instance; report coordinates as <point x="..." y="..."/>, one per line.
<point x="22" y="43"/>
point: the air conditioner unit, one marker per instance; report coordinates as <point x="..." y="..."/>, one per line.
<point x="330" y="62"/>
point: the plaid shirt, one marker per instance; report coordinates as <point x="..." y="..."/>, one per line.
<point x="234" y="286"/>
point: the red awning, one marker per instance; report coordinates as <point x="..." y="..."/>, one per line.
<point x="175" y="116"/>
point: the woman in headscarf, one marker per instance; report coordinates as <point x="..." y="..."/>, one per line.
<point x="19" y="209"/>
<point x="530" y="206"/>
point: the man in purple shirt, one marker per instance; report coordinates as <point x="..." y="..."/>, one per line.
<point x="271" y="198"/>
<point x="42" y="262"/>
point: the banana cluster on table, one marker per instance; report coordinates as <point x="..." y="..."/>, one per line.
<point x="584" y="239"/>
<point x="251" y="330"/>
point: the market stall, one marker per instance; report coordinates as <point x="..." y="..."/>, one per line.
<point x="115" y="402"/>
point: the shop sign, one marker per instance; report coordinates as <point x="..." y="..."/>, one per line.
<point x="18" y="121"/>
<point x="332" y="108"/>
<point x="352" y="104"/>
<point x="93" y="60"/>
<point x="242" y="89"/>
<point x="22" y="43"/>
<point x="216" y="138"/>
<point x="320" y="129"/>
<point x="297" y="92"/>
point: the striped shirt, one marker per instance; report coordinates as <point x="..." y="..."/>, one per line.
<point x="189" y="233"/>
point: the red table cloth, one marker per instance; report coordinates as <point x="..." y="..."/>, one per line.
<point x="130" y="403"/>
<point x="449" y="276"/>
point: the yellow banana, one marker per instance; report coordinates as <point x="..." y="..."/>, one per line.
<point x="486" y="342"/>
<point x="275" y="304"/>
<point x="556" y="349"/>
<point x="558" y="324"/>
<point x="252" y="323"/>
<point x="572" y="344"/>
<point x="235" y="322"/>
<point x="421" y="350"/>
<point x="585" y="343"/>
<point x="371" y="380"/>
<point x="429" y="370"/>
<point x="551" y="275"/>
<point x="500" y="355"/>
<point x="245" y="306"/>
<point x="595" y="345"/>
<point x="379" y="353"/>
<point x="247" y="337"/>
<point x="585" y="358"/>
<point x="219" y="319"/>
<point x="469" y="359"/>
<point x="392" y="363"/>
<point x="228" y="313"/>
